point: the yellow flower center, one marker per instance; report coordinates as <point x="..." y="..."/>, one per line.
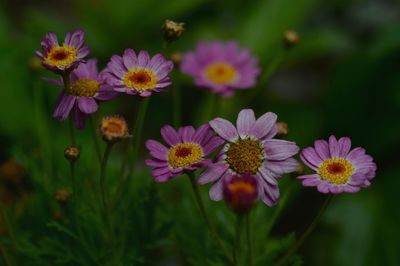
<point x="221" y="73"/>
<point x="113" y="128"/>
<point x="336" y="171"/>
<point x="84" y="87"/>
<point x="184" y="155"/>
<point x="61" y="56"/>
<point x="140" y="79"/>
<point x="245" y="156"/>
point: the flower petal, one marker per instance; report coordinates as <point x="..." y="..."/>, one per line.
<point x="213" y="173"/>
<point x="245" y="121"/>
<point x="87" y="105"/>
<point x="265" y="126"/>
<point x="170" y="135"/>
<point x="276" y="149"/>
<point x="224" y="129"/>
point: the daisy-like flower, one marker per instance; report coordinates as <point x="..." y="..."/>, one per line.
<point x="338" y="168"/>
<point x="86" y="86"/>
<point x="241" y="192"/>
<point x="138" y="74"/>
<point x="63" y="58"/>
<point x="251" y="149"/>
<point x="186" y="151"/>
<point x="221" y="67"/>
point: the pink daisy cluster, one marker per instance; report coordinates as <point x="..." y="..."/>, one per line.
<point x="82" y="84"/>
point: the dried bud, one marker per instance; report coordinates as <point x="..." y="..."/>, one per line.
<point x="62" y="196"/>
<point x="176" y="57"/>
<point x="172" y="30"/>
<point x="282" y="128"/>
<point x="291" y="38"/>
<point x="72" y="153"/>
<point x="113" y="128"/>
<point x="241" y="192"/>
<point x="58" y="216"/>
<point x="12" y="173"/>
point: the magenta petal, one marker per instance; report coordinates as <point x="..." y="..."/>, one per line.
<point x="245" y="121"/>
<point x="200" y="133"/>
<point x="143" y="58"/>
<point x="216" y="190"/>
<point x="344" y="146"/>
<point x="170" y="135"/>
<point x="156" y="146"/>
<point x="186" y="133"/>
<point x="212" y="144"/>
<point x="129" y="58"/>
<point x="163" y="178"/>
<point x="224" y="129"/>
<point x="87" y="105"/>
<point x="64" y="106"/>
<point x="322" y="149"/>
<point x="333" y="147"/>
<point x="310" y="158"/>
<point x="311" y="182"/>
<point x="213" y="172"/>
<point x="276" y="149"/>
<point x="283" y="167"/>
<point x="265" y="126"/>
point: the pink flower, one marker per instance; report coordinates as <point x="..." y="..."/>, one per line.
<point x="338" y="168"/>
<point x="221" y="67"/>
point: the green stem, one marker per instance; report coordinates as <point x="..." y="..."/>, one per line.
<point x="73" y="179"/>
<point x="9" y="229"/>
<point x="103" y="169"/>
<point x="103" y="190"/>
<point x="176" y="94"/>
<point x="95" y="138"/>
<point x="248" y="240"/>
<point x="203" y="213"/>
<point x="238" y="232"/>
<point x="4" y="256"/>
<point x="308" y="231"/>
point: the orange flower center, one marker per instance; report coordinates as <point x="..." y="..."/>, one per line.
<point x="184" y="155"/>
<point x="221" y="73"/>
<point x="140" y="79"/>
<point x="113" y="128"/>
<point x="61" y="56"/>
<point x="336" y="171"/>
<point x="84" y="87"/>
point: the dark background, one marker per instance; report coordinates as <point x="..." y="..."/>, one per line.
<point x="342" y="78"/>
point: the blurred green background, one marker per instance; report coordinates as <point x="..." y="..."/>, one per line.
<point x="342" y="78"/>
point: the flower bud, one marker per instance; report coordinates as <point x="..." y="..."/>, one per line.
<point x="113" y="128"/>
<point x="172" y="30"/>
<point x="241" y="192"/>
<point x="282" y="128"/>
<point x="72" y="153"/>
<point x="62" y="196"/>
<point x="290" y="38"/>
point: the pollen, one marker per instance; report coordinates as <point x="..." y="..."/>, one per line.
<point x="221" y="73"/>
<point x="184" y="155"/>
<point x="61" y="56"/>
<point x="84" y="87"/>
<point x="336" y="171"/>
<point x="245" y="156"/>
<point x="140" y="79"/>
<point x="113" y="128"/>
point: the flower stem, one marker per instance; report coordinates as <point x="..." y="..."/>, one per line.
<point x="248" y="240"/>
<point x="9" y="229"/>
<point x="308" y="231"/>
<point x="238" y="232"/>
<point x="138" y="131"/>
<point x="95" y="139"/>
<point x="176" y="94"/>
<point x="203" y="213"/>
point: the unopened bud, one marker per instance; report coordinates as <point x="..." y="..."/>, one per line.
<point x="290" y="38"/>
<point x="72" y="153"/>
<point x="172" y="30"/>
<point x="62" y="196"/>
<point x="113" y="128"/>
<point x="241" y="192"/>
<point x="282" y="128"/>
